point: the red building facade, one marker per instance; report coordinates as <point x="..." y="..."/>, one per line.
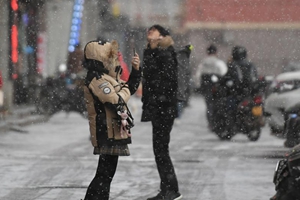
<point x="269" y="29"/>
<point x="251" y="11"/>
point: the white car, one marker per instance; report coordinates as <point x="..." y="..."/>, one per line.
<point x="285" y="93"/>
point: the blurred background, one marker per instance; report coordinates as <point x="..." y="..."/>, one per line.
<point x="37" y="36"/>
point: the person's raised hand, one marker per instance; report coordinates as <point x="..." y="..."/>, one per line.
<point x="135" y="61"/>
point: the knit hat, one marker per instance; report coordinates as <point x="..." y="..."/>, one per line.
<point x="164" y="32"/>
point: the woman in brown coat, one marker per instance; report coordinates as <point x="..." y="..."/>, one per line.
<point x="109" y="118"/>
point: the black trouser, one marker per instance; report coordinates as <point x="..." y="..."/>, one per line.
<point x="161" y="139"/>
<point x="100" y="186"/>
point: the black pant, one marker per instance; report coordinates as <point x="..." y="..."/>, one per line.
<point x="100" y="186"/>
<point x="161" y="139"/>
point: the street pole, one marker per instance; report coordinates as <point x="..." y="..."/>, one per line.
<point x="36" y="23"/>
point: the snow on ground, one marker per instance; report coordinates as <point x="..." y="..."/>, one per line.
<point x="54" y="161"/>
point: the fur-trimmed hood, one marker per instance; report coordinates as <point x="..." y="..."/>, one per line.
<point x="165" y="42"/>
<point x="106" y="54"/>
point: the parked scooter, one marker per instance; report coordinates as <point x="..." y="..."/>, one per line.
<point x="292" y="126"/>
<point x="287" y="176"/>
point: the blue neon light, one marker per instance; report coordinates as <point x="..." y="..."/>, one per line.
<point x="76" y="24"/>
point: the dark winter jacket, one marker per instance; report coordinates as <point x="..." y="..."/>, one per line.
<point x="242" y="74"/>
<point x="105" y="96"/>
<point x="247" y="75"/>
<point x="160" y="81"/>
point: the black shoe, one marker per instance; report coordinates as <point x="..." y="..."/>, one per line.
<point x="172" y="195"/>
<point x="159" y="196"/>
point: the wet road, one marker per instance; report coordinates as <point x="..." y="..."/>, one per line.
<point x="54" y="160"/>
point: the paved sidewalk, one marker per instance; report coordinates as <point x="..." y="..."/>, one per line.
<point x="18" y="117"/>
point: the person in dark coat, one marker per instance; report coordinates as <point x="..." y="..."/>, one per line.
<point x="184" y="77"/>
<point x="109" y="117"/>
<point x="246" y="70"/>
<point x="242" y="73"/>
<point x="239" y="81"/>
<point x="159" y="98"/>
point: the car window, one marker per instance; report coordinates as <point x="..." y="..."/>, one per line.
<point x="287" y="86"/>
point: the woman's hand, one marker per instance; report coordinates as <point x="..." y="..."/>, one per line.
<point x="135" y="62"/>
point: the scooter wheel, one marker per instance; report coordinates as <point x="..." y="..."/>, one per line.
<point x="254" y="135"/>
<point x="225" y="135"/>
